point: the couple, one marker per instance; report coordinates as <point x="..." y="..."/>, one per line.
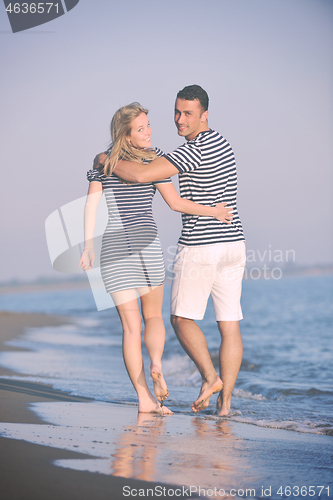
<point x="210" y="258"/>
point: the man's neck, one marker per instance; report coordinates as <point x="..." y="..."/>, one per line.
<point x="203" y="129"/>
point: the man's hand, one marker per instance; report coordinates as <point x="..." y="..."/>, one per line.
<point x="224" y="213"/>
<point x="99" y="160"/>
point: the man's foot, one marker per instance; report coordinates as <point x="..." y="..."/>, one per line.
<point x="207" y="390"/>
<point x="223" y="410"/>
<point x="160" y="387"/>
<point x="155" y="407"/>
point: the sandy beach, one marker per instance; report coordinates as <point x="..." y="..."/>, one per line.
<point x="57" y="446"/>
<point x="26" y="470"/>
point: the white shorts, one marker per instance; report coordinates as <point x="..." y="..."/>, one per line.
<point x="204" y="270"/>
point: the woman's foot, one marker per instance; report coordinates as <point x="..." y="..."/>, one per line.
<point x="154" y="407"/>
<point x="160" y="387"/>
<point x="207" y="390"/>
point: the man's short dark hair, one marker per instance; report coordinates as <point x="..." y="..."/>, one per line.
<point x="194" y="92"/>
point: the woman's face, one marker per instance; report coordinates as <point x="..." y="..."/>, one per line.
<point x="140" y="132"/>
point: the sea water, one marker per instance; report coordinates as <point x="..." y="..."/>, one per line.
<point x="285" y="380"/>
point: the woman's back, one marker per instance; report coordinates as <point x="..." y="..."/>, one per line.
<point x="128" y="204"/>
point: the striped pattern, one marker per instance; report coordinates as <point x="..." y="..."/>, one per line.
<point x="131" y="255"/>
<point x="207" y="175"/>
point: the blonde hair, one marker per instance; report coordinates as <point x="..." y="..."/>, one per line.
<point x="121" y="148"/>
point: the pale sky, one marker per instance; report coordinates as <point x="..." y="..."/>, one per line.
<point x="266" y="65"/>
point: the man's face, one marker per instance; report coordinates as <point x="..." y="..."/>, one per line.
<point x="189" y="118"/>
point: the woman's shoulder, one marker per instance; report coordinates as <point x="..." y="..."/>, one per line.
<point x="96" y="174"/>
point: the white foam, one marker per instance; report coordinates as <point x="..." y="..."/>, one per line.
<point x="102" y="465"/>
<point x="241" y="393"/>
<point x="65" y="338"/>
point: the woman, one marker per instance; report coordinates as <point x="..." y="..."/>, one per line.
<point x="131" y="256"/>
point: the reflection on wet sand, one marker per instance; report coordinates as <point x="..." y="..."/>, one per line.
<point x="180" y="450"/>
<point x="199" y="451"/>
<point x="137" y="448"/>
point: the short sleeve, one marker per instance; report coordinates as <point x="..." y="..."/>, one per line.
<point x="159" y="152"/>
<point x="163" y="181"/>
<point x="186" y="158"/>
<point x="95" y="175"/>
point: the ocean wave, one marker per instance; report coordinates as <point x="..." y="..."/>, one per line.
<point x="180" y="370"/>
<point x="270" y="391"/>
<point x="296" y="391"/>
<point x="306" y="427"/>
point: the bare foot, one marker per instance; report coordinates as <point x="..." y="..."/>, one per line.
<point x="155" y="407"/>
<point x="207" y="390"/>
<point x="160" y="387"/>
<point x="223" y="410"/>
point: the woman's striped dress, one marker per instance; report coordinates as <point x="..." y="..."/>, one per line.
<point x="131" y="255"/>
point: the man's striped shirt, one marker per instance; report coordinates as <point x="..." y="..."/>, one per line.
<point x="207" y="175"/>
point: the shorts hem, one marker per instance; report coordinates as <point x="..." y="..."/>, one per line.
<point x="182" y="314"/>
<point x="230" y="318"/>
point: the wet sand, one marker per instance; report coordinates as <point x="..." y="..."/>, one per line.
<point x="26" y="469"/>
<point x="108" y="451"/>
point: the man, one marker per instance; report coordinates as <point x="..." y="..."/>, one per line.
<point x="210" y="258"/>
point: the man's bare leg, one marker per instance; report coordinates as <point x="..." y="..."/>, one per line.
<point x="194" y="343"/>
<point x="231" y="353"/>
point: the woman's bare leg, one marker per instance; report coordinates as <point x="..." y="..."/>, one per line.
<point x="128" y="310"/>
<point x="154" y="336"/>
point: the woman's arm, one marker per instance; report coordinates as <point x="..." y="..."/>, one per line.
<point x="178" y="204"/>
<point x="93" y="198"/>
